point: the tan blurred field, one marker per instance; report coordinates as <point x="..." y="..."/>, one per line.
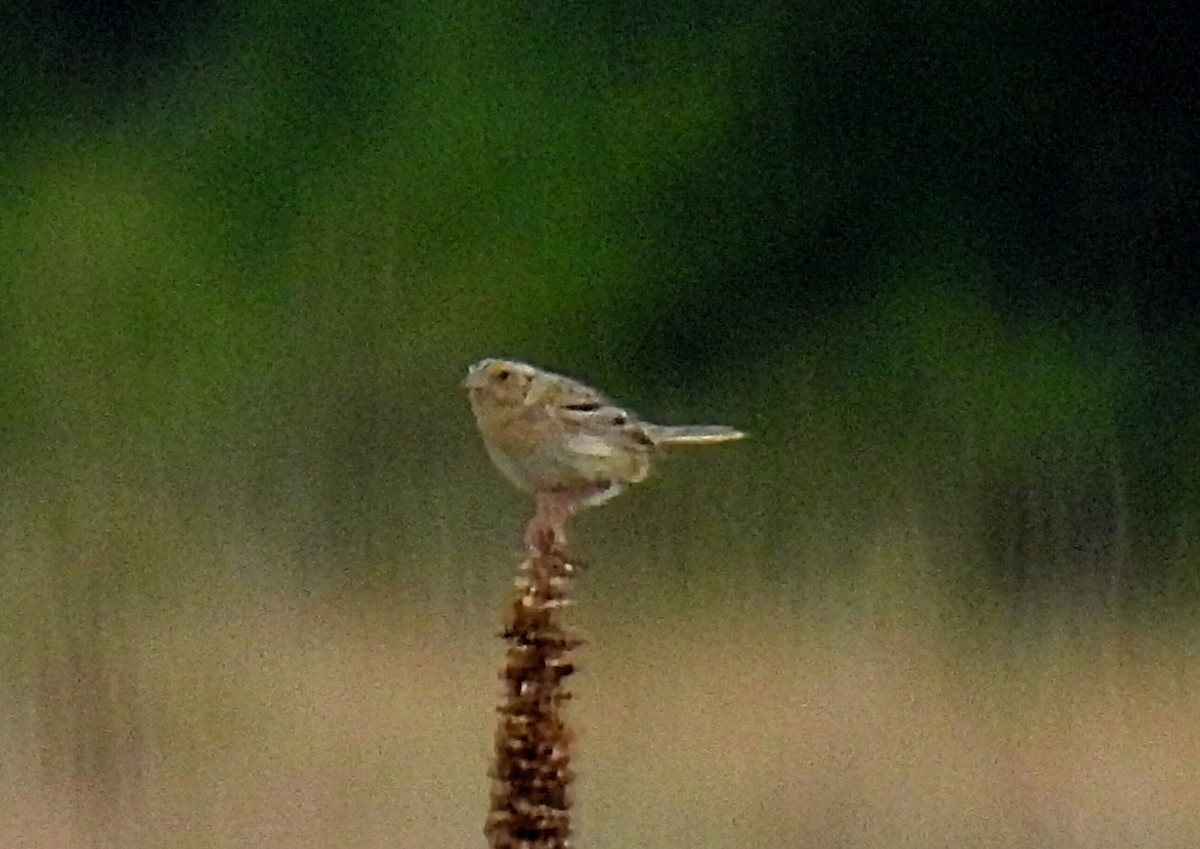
<point x="938" y="260"/>
<point x="247" y="715"/>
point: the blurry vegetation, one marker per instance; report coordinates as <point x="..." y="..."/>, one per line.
<point x="249" y="246"/>
<point x="940" y="260"/>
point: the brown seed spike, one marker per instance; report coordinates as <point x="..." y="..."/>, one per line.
<point x="530" y="798"/>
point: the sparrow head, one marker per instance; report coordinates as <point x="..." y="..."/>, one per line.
<point x="499" y="381"/>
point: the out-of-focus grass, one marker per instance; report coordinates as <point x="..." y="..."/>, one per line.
<point x="712" y="711"/>
<point x="251" y="555"/>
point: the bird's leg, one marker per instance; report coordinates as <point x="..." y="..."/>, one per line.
<point x="547" y="528"/>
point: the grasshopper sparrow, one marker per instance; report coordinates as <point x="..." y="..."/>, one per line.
<point x="565" y="442"/>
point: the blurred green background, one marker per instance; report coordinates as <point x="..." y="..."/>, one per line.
<point x="940" y="260"/>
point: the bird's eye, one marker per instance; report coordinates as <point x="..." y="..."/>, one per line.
<point x="502" y="374"/>
<point x="619" y="419"/>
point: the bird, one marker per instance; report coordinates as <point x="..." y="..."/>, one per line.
<point x="565" y="442"/>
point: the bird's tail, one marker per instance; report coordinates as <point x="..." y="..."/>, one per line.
<point x="692" y="434"/>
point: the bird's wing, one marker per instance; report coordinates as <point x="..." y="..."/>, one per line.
<point x="598" y="429"/>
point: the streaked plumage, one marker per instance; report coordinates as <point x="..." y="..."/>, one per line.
<point x="564" y="441"/>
